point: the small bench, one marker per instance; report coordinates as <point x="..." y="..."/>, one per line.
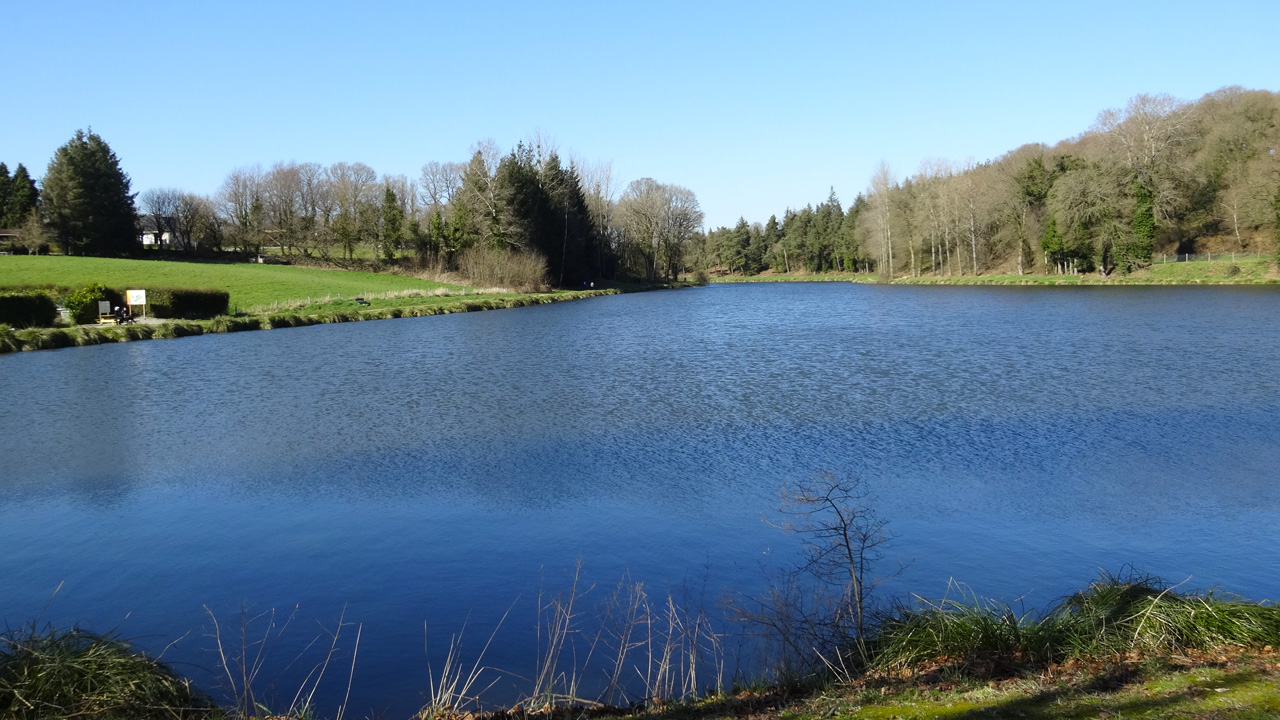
<point x="104" y="313"/>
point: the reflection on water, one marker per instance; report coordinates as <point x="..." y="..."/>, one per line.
<point x="431" y="468"/>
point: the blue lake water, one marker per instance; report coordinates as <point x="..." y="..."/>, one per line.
<point x="441" y="469"/>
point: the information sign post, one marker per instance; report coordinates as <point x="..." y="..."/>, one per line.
<point x="138" y="297"/>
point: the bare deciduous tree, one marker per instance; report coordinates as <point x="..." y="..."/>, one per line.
<point x="162" y="205"/>
<point x="440" y="183"/>
<point x="239" y="200"/>
<point x="656" y="220"/>
<point x="882" y="183"/>
<point x="197" y="222"/>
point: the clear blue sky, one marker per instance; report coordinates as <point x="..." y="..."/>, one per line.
<point x="754" y="106"/>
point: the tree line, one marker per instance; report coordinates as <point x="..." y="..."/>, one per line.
<point x="569" y="216"/>
<point x="1158" y="176"/>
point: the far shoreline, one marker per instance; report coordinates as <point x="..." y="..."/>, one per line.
<point x="1250" y="271"/>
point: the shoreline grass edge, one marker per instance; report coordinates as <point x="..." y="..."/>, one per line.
<point x="32" y="339"/>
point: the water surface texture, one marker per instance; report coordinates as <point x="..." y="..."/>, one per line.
<point x="441" y="469"/>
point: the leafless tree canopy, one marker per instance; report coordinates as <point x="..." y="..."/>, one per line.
<point x="656" y="221"/>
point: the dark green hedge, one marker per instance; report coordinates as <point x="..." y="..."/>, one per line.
<point x="28" y="310"/>
<point x="187" y="304"/>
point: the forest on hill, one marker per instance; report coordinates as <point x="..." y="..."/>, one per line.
<point x="1159" y="176"/>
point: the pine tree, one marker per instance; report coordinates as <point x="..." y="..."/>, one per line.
<point x="572" y="230"/>
<point x="87" y="198"/>
<point x="392" y="221"/>
<point x="437" y="235"/>
<point x="22" y="200"/>
<point x="5" y="184"/>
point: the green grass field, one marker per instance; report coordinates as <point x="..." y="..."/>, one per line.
<point x="250" y="285"/>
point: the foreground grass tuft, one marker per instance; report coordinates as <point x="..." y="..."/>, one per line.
<point x="73" y="673"/>
<point x="1114" y="617"/>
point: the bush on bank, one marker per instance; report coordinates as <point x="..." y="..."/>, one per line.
<point x="187" y="304"/>
<point x="28" y="309"/>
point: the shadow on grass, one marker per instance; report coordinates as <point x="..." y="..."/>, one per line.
<point x="1105" y="696"/>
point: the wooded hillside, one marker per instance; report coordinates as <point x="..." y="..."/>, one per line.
<point x="1159" y="176"/>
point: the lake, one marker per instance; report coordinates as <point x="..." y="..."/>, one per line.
<point x="445" y="470"/>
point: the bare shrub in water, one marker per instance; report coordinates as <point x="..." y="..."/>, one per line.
<point x="817" y="614"/>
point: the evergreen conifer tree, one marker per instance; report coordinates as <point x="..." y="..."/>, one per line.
<point x="87" y="198"/>
<point x="21" y="201"/>
<point x="392" y="221"/>
<point x="5" y="184"/>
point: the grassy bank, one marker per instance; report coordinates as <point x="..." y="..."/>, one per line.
<point x="1246" y="271"/>
<point x="795" y="277"/>
<point x="1232" y="685"/>
<point x="250" y="285"/>
<point x="263" y="297"/>
<point x="1120" y="648"/>
<point x="397" y="305"/>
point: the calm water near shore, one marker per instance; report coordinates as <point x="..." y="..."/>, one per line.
<point x="441" y="469"/>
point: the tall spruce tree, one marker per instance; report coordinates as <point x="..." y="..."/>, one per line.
<point x="574" y="259"/>
<point x="87" y="199"/>
<point x="22" y="199"/>
<point x="392" y="223"/>
<point x="5" y="184"/>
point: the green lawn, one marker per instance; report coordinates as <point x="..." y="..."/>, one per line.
<point x="250" y="285"/>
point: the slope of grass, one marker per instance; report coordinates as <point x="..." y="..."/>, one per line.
<point x="1247" y="270"/>
<point x="249" y="284"/>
